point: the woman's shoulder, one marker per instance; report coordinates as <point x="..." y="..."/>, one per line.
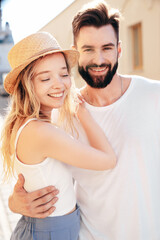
<point x="31" y="140"/>
<point x="35" y="126"/>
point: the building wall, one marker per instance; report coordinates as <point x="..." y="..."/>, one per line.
<point x="4" y="65"/>
<point x="148" y="13"/>
<point x="145" y="11"/>
<point x="6" y="43"/>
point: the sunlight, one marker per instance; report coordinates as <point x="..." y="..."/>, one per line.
<point x="27" y="16"/>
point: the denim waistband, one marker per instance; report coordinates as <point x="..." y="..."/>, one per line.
<point x="51" y="223"/>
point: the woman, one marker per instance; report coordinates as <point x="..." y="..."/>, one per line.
<point x="39" y="82"/>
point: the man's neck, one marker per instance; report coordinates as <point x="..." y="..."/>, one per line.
<point x="108" y="95"/>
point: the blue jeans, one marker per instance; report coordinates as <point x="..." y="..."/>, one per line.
<point x="51" y="228"/>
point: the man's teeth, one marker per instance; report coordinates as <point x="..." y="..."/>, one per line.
<point x="56" y="95"/>
<point x="98" y="69"/>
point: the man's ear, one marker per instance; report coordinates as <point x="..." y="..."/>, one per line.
<point x="119" y="49"/>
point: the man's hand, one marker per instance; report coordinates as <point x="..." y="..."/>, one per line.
<point x="37" y="204"/>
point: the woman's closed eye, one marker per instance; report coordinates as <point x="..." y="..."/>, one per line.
<point x="44" y="80"/>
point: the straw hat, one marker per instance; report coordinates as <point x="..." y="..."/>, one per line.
<point x="31" y="48"/>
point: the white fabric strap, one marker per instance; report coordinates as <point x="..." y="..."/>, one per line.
<point x="21" y="128"/>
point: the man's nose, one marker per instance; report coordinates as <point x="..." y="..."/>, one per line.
<point x="98" y="58"/>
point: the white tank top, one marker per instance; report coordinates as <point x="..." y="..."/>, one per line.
<point x="48" y="172"/>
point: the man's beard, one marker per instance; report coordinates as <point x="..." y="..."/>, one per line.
<point x="98" y="81"/>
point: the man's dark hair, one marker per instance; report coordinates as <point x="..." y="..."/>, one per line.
<point x="97" y="16"/>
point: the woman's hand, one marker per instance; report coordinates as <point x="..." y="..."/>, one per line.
<point x="81" y="112"/>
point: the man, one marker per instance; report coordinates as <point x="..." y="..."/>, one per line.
<point x="123" y="203"/>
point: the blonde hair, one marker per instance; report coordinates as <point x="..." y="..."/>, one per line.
<point x="24" y="104"/>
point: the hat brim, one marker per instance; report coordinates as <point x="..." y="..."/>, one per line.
<point x="10" y="80"/>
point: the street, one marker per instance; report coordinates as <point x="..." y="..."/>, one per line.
<point x="8" y="219"/>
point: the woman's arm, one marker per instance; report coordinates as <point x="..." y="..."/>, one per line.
<point x="40" y="140"/>
<point x="95" y="134"/>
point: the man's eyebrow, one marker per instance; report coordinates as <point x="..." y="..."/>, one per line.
<point x="87" y="46"/>
<point x="109" y="45"/>
<point x="105" y="45"/>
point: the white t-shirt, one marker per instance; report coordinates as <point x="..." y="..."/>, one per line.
<point x="124" y="203"/>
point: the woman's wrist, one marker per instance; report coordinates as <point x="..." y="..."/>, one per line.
<point x="83" y="114"/>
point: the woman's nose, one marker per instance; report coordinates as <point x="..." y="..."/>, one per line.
<point x="57" y="83"/>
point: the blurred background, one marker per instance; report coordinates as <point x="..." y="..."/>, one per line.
<point x="139" y="33"/>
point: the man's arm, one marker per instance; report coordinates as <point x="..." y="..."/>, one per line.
<point x="37" y="204"/>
